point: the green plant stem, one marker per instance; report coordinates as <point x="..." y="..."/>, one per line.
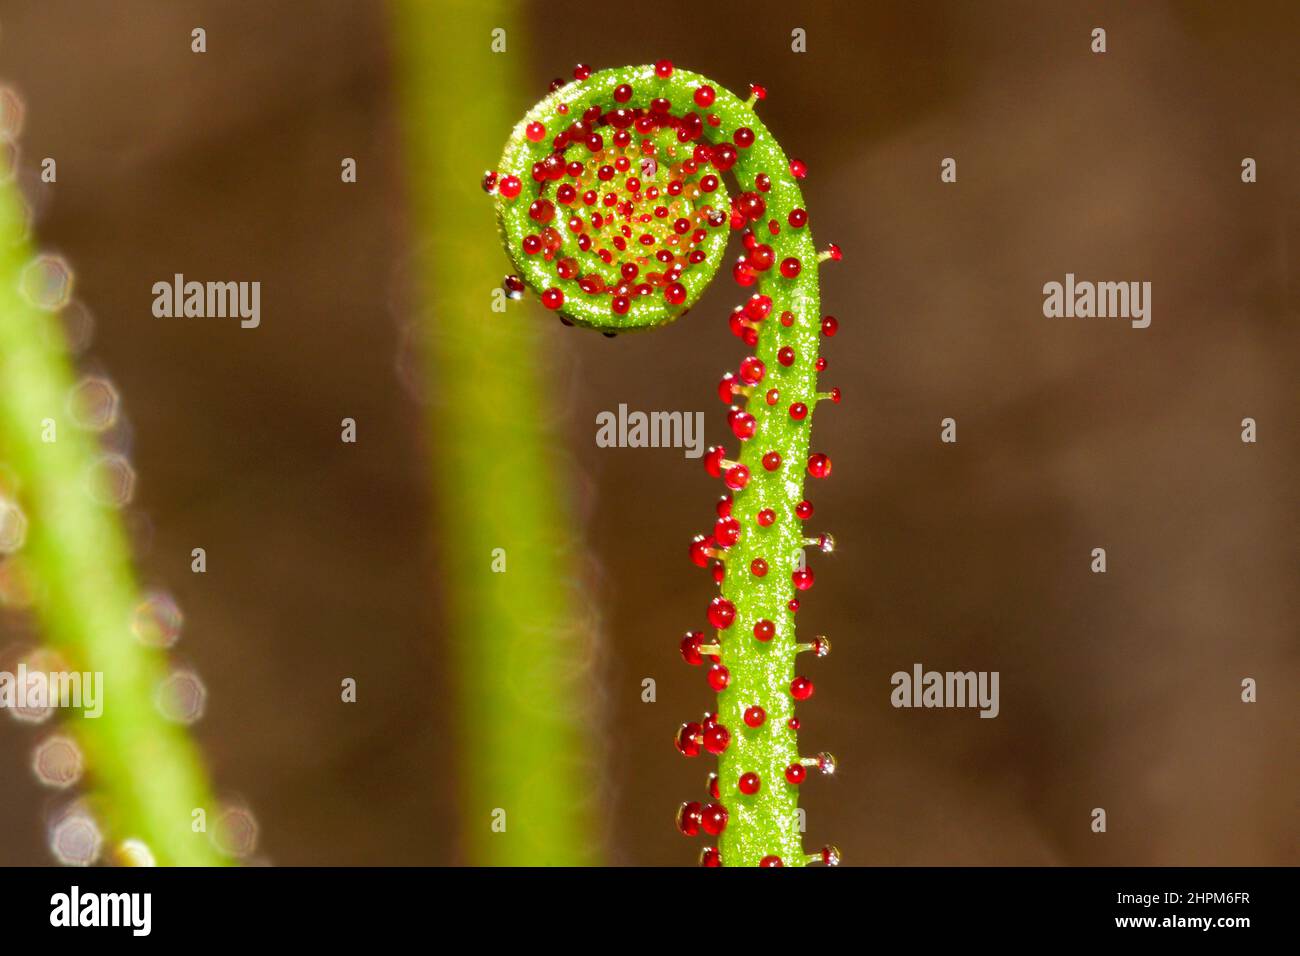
<point x="517" y="651"/>
<point x="762" y="824"/>
<point x="145" y="768"/>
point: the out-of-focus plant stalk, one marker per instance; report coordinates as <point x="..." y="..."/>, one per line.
<point x="143" y="771"/>
<point x="521" y="739"/>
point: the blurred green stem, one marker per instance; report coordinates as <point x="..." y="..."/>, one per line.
<point x="520" y="722"/>
<point x="144" y="769"/>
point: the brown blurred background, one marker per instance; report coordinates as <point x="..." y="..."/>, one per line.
<point x="1118" y="691"/>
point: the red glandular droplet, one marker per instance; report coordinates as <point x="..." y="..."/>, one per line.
<point x="664" y="69"/>
<point x="749" y="784"/>
<point x="688" y="818"/>
<point x="758" y="567"/>
<point x="835" y="252"/>
<point x="758" y="92"/>
<point x="535" y="132"/>
<point x="743" y="137"/>
<point x="716" y="739"/>
<point x="727" y="388"/>
<point x="719" y="677"/>
<point x="691" y="648"/>
<point x="770" y="861"/>
<point x="726" y="531"/>
<point x="790" y="267"/>
<point x="795" y="774"/>
<point x="830" y="325"/>
<point x="688" y="739"/>
<point x="736" y="322"/>
<point x="723" y="156"/>
<point x="785" y="356"/>
<point x="723" y="507"/>
<point x="752" y="370"/>
<point x="766" y="517"/>
<point x="710" y="857"/>
<point x="721" y="613"/>
<point x="772" y="461"/>
<point x="803" y="578"/>
<point x="798" y="411"/>
<point x="803" y="510"/>
<point x="510" y="187"/>
<point x="764" y="630"/>
<point x="581" y="72"/>
<point x="713" y="460"/>
<point x="704" y="97"/>
<point x="798" y="168"/>
<point x="819" y="465"/>
<point x="751" y="206"/>
<point x="797" y="218"/>
<point x="675" y="294"/>
<point x="711" y="785"/>
<point x="736" y="477"/>
<point x="713" y="818"/>
<point x="801" y="688"/>
<point x="552" y="298"/>
<point x="699" y="550"/>
<point x="743" y="425"/>
<point x="754" y="716"/>
<point x="759" y="307"/>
